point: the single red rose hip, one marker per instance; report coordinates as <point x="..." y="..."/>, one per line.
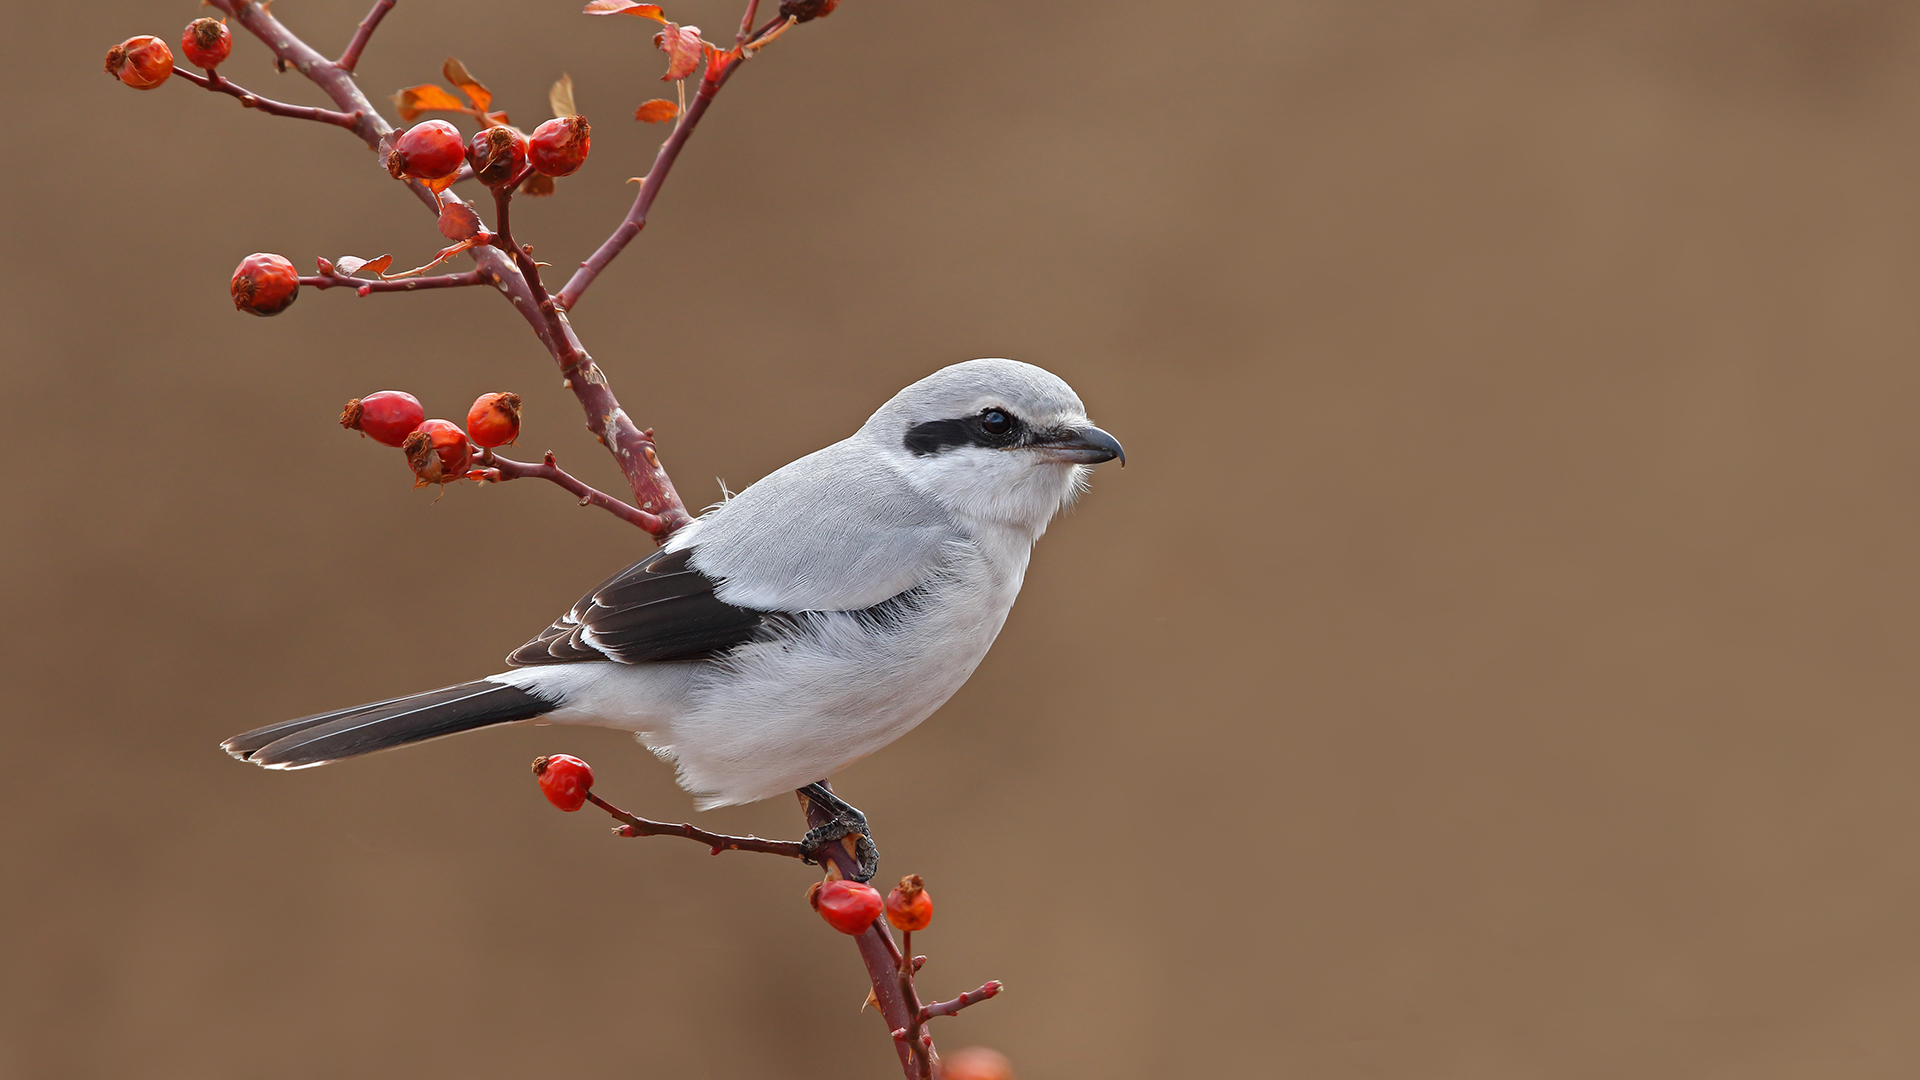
<point x="848" y="906"/>
<point x="430" y="150"/>
<point x="264" y="284"/>
<point x="386" y="417"/>
<point x="438" y="452"/>
<point x="142" y="62"/>
<point x="494" y="420"/>
<point x="497" y="154"/>
<point x="559" y="146"/>
<point x="207" y="42"/>
<point x="908" y="905"/>
<point x="564" y="780"/>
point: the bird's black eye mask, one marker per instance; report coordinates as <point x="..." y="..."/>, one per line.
<point x="993" y="428"/>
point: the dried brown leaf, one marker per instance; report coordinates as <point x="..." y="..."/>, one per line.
<point x="625" y="7"/>
<point x="415" y="100"/>
<point x="455" y="72"/>
<point x="561" y="97"/>
<point x="656" y="111"/>
<point x="682" y="45"/>
<point x="353" y="264"/>
<point x="458" y="221"/>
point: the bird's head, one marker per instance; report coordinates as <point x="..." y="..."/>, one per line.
<point x="994" y="441"/>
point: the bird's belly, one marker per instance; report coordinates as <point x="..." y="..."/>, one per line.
<point x="778" y="714"/>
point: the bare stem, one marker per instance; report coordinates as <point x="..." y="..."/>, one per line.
<point x="718" y="842"/>
<point x="213" y="80"/>
<point x="351" y="58"/>
<point x="369" y="286"/>
<point x="499" y="470"/>
<point x="971" y="997"/>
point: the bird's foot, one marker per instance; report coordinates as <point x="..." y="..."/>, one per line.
<point x="846" y="822"/>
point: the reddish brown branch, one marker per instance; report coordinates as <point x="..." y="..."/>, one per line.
<point x="351" y="58"/>
<point x="718" y="842"/>
<point x="215" y="81"/>
<point x="632" y="449"/>
<point x="369" y="286"/>
<point x="499" y="470"/>
<point x="971" y="997"/>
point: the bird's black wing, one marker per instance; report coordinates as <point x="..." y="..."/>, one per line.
<point x="660" y="608"/>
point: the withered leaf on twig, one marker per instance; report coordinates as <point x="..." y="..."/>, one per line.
<point x="353" y="264"/>
<point x="458" y="221"/>
<point x="682" y="46"/>
<point x="625" y="7"/>
<point x="561" y="97"/>
<point x="656" y="111"/>
<point x="455" y="72"/>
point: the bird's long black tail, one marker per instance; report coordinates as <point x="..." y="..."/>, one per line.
<point x="324" y="737"/>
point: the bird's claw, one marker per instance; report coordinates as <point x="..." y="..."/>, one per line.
<point x="846" y="822"/>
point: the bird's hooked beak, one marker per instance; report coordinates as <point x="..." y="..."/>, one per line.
<point x="1081" y="445"/>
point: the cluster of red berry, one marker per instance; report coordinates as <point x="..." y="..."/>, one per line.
<point x="437" y="450"/>
<point x="144" y="62"/>
<point x="435" y="150"/>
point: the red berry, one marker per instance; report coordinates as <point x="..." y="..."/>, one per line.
<point x="430" y="150"/>
<point x="559" y="146"/>
<point x="848" y="906"/>
<point x="497" y="154"/>
<point x="977" y="1063"/>
<point x="494" y="419"/>
<point x="142" y="62"/>
<point x="564" y="780"/>
<point x="206" y="42"/>
<point x="264" y="284"/>
<point x="437" y="452"/>
<point x="388" y="416"/>
<point x="908" y="905"/>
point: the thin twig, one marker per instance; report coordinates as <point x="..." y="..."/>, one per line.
<point x="636" y="218"/>
<point x="718" y="842"/>
<point x="368" y="286"/>
<point x="971" y="997"/>
<point x="498" y="470"/>
<point x="349" y="59"/>
<point x="215" y="81"/>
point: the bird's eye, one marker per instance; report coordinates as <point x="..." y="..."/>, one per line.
<point x="996" y="422"/>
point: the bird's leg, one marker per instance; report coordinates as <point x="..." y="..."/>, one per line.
<point x="846" y="822"/>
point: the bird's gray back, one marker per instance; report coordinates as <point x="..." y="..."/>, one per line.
<point x="837" y="530"/>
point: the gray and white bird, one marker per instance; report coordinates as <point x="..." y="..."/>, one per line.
<point x="800" y="625"/>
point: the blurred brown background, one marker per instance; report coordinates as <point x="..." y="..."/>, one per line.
<point x="1497" y="660"/>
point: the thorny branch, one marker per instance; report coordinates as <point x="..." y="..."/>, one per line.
<point x="213" y="80"/>
<point x="508" y="266"/>
<point x="495" y="469"/>
<point x="369" y="286"/>
<point x="718" y="842"/>
<point x="631" y="448"/>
